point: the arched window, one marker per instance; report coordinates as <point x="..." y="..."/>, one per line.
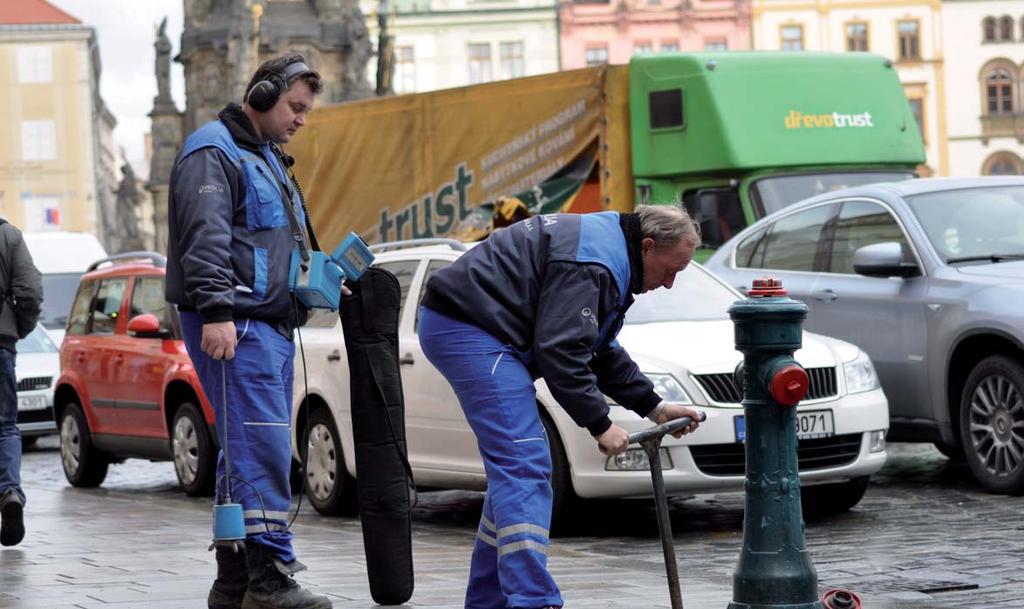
<point x="999" y="85"/>
<point x="1006" y="29"/>
<point x="1003" y="163"/>
<point x="988" y="29"/>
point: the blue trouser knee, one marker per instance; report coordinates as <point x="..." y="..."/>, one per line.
<point x="495" y="389"/>
<point x="10" y="435"/>
<point x="258" y="424"/>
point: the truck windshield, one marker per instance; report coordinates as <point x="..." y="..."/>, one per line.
<point x="774" y="193"/>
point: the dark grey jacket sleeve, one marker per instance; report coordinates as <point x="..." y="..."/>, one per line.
<point x="26" y="285"/>
<point x="620" y="378"/>
<point x="565" y="335"/>
<point x="205" y="187"/>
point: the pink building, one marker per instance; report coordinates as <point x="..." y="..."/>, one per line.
<point x="612" y="31"/>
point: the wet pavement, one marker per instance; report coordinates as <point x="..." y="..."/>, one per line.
<point x="925" y="536"/>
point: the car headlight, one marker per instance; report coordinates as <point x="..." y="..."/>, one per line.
<point x="860" y="374"/>
<point x="669" y="389"/>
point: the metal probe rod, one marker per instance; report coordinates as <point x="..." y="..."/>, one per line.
<point x="650" y="440"/>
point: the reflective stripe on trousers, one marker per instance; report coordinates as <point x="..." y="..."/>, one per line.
<point x="496" y="392"/>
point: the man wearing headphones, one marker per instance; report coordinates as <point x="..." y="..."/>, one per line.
<point x="235" y="218"/>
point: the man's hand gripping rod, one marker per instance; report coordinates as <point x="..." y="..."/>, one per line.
<point x="650" y="439"/>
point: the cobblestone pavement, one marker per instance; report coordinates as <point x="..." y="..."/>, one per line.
<point x="924" y="537"/>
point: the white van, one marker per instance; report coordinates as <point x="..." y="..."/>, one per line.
<point x="62" y="258"/>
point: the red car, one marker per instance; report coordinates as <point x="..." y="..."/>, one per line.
<point x="127" y="386"/>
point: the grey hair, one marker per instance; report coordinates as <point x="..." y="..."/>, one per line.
<point x="667" y="225"/>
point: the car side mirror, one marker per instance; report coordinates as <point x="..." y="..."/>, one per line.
<point x="146" y="326"/>
<point x="883" y="260"/>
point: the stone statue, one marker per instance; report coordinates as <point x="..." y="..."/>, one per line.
<point x="126" y="225"/>
<point x="163" y="65"/>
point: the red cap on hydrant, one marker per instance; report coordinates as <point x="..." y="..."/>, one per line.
<point x="766" y="286"/>
<point x="789" y="385"/>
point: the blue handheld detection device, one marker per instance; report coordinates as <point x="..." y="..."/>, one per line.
<point x="316" y="282"/>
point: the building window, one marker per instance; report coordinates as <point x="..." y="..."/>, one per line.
<point x="1006" y="29"/>
<point x="38" y="141"/>
<point x="669" y="46"/>
<point x="999" y="86"/>
<point x="1003" y="164"/>
<point x="909" y="39"/>
<point x="716" y="44"/>
<point x="596" y="55"/>
<point x="988" y="29"/>
<point x="856" y="36"/>
<point x="917" y="109"/>
<point x="792" y="37"/>
<point x="643" y="47"/>
<point x="405" y="70"/>
<point x="480" y="62"/>
<point x="511" y="63"/>
<point x="35" y="64"/>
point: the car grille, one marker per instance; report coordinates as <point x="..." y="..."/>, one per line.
<point x="35" y="416"/>
<point x="817" y="453"/>
<point x="31" y="383"/>
<point x="722" y="388"/>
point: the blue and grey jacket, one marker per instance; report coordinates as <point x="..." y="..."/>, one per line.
<point x="229" y="240"/>
<point x="557" y="287"/>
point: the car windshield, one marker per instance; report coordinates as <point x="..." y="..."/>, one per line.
<point x="973" y="224"/>
<point x="58" y="294"/>
<point x="778" y="192"/>
<point x="38" y="341"/>
<point x="695" y="296"/>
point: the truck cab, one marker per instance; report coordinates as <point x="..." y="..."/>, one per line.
<point x="738" y="135"/>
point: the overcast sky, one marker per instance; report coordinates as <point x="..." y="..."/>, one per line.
<point x="126" y="30"/>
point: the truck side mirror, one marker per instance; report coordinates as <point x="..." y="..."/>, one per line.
<point x="883" y="260"/>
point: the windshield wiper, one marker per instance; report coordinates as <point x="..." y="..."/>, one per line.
<point x="989" y="257"/>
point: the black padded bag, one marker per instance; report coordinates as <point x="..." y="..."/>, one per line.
<point x="383" y="477"/>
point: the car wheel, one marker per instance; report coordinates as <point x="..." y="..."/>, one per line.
<point x="992" y="424"/>
<point x="330" y="488"/>
<point x="828" y="499"/>
<point x="84" y="466"/>
<point x="563" y="496"/>
<point x="195" y="458"/>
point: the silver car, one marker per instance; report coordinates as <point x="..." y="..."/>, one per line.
<point x="927" y="277"/>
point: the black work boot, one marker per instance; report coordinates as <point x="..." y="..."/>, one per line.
<point x="271" y="585"/>
<point x="232" y="580"/>
<point x="12" y="518"/>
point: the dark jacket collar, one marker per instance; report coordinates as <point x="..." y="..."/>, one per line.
<point x="241" y="128"/>
<point x="630" y="224"/>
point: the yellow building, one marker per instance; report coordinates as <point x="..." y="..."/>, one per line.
<point x="58" y="165"/>
<point x="908" y="32"/>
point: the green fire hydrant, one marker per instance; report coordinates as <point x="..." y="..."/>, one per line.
<point x="774" y="569"/>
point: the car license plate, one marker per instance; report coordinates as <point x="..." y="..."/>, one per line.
<point x="809" y="424"/>
<point x="31" y="402"/>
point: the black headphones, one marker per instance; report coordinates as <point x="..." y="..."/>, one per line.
<point x="264" y="94"/>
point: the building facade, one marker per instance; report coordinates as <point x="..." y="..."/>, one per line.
<point x="58" y="164"/>
<point x="907" y="32"/>
<point x="602" y="31"/>
<point x="440" y="44"/>
<point x="986" y="116"/>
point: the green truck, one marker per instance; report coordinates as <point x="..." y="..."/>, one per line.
<point x="732" y="135"/>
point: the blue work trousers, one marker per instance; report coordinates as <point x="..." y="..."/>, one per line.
<point x="10" y="435"/>
<point x="495" y="389"/>
<point x="257" y="425"/>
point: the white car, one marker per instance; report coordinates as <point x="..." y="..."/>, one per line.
<point x="36" y="368"/>
<point x="682" y="339"/>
